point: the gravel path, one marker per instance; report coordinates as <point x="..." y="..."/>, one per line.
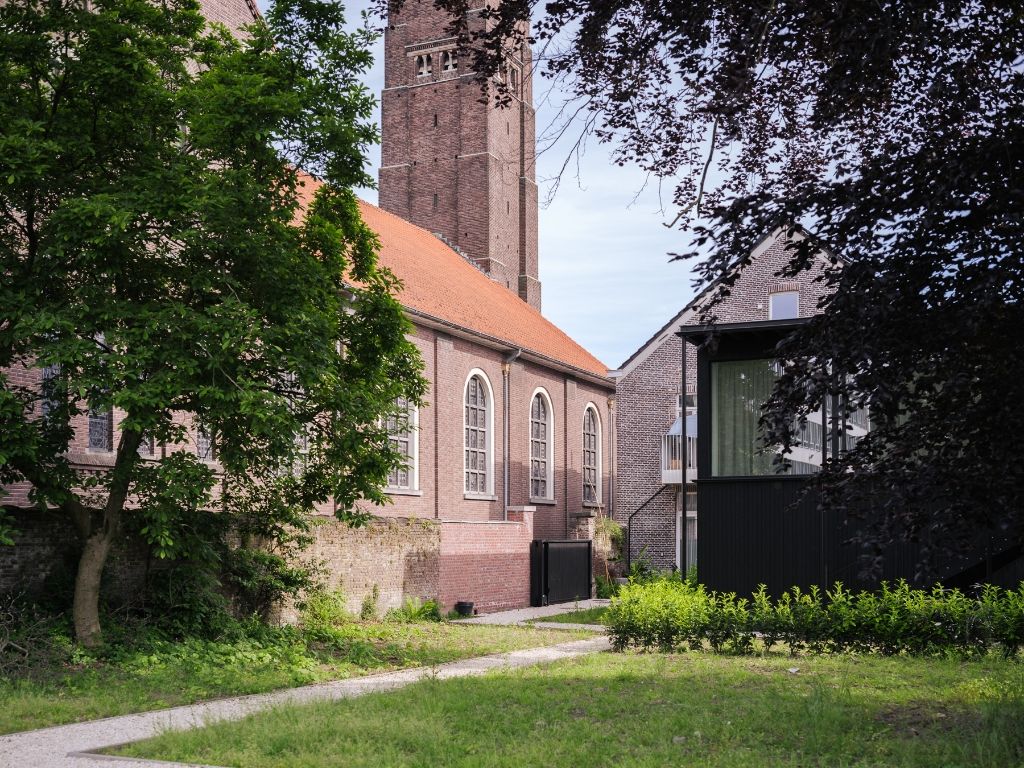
<point x="65" y="746"/>
<point x="521" y="615"/>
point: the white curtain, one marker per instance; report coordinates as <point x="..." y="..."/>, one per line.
<point x="738" y="390"/>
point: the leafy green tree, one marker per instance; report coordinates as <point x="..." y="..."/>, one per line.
<point x="892" y="130"/>
<point x="164" y="256"/>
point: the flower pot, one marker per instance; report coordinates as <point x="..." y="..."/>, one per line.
<point x="464" y="608"/>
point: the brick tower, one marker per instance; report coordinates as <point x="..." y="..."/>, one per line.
<point x="451" y="164"/>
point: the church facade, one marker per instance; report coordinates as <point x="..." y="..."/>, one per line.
<point x="515" y="440"/>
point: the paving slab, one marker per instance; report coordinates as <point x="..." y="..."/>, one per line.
<point x="69" y="746"/>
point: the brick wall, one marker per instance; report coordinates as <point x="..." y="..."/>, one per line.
<point x="487" y="563"/>
<point x="646" y="399"/>
<point x="44" y="558"/>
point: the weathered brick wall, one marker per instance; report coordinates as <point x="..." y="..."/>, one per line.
<point x="647" y="391"/>
<point x="45" y="556"/>
<point x="487" y="563"/>
<point x="452" y="164"/>
<point x="398" y="556"/>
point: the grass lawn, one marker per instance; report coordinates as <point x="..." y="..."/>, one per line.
<point x="582" y="616"/>
<point x="691" y="709"/>
<point x="163" y="674"/>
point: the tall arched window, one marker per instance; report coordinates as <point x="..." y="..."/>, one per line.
<point x="541" y="447"/>
<point x="591" y="456"/>
<point x="478" y="436"/>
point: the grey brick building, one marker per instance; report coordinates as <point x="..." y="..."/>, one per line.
<point x="650" y="495"/>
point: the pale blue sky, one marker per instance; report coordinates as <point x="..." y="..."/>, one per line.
<point x="604" y="268"/>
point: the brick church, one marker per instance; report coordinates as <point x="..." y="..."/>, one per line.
<point x="516" y="439"/>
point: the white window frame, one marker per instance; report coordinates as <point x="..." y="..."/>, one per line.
<point x="598" y="489"/>
<point x="549" y="458"/>
<point x="771" y="304"/>
<point x="413" y="426"/>
<point x="488" y="438"/>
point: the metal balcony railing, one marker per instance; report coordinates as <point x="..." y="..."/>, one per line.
<point x="672" y="459"/>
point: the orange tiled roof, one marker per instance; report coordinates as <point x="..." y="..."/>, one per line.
<point x="440" y="283"/>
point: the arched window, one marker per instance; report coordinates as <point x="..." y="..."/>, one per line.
<point x="449" y="61"/>
<point x="204" y="443"/>
<point x="401" y="426"/>
<point x="101" y="430"/>
<point x="541" y="447"/>
<point x="424" y="65"/>
<point x="591" y="456"/>
<point x="478" y="435"/>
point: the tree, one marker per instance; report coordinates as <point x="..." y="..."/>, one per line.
<point x="892" y="131"/>
<point x="165" y="258"/>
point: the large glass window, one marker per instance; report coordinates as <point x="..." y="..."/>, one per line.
<point x="591" y="457"/>
<point x="540" y="448"/>
<point x="477" y="447"/>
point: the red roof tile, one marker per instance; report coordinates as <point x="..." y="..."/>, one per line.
<point x="440" y="283"/>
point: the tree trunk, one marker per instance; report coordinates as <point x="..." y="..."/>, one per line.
<point x="86" y="608"/>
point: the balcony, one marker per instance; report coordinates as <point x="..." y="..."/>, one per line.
<point x="672" y="452"/>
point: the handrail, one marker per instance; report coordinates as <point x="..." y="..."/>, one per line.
<point x="629" y="525"/>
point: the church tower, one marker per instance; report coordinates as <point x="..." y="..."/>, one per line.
<point x="451" y="164"/>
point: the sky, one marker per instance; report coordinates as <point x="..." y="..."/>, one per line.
<point x="604" y="268"/>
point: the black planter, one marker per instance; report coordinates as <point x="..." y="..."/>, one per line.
<point x="464" y="608"/>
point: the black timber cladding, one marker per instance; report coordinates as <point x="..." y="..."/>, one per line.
<point x="773" y="530"/>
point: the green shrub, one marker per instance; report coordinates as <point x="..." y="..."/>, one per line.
<point x="368" y="609"/>
<point x="415" y="609"/>
<point x="668" y="613"/>
<point x="605" y="587"/>
<point x="323" y="610"/>
<point x="186" y="601"/>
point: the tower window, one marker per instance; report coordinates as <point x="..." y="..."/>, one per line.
<point x="449" y="61"/>
<point x="435" y="123"/>
<point x="513" y="78"/>
<point x="435" y="201"/>
<point x="424" y="65"/>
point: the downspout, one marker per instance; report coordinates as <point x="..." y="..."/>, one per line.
<point x="683" y="538"/>
<point x="506" y="374"/>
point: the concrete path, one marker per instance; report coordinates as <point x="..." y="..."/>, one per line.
<point x="522" y="616"/>
<point x="66" y="746"/>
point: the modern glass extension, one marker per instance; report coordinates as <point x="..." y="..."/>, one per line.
<point x="738" y="390"/>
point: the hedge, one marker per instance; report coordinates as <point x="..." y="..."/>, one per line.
<point x="669" y="614"/>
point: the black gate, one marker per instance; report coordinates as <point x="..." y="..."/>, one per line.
<point x="560" y="571"/>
